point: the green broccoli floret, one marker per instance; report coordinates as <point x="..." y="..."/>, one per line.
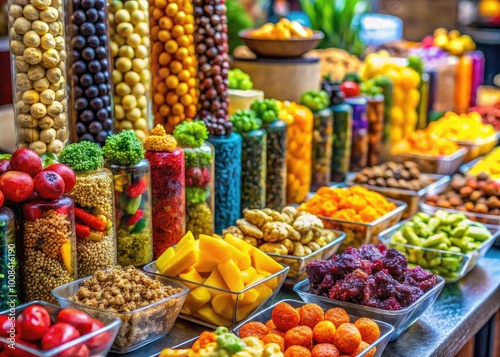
<point x="123" y="149"/>
<point x="191" y="134"/>
<point x="82" y="156"/>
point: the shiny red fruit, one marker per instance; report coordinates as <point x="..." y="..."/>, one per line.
<point x="79" y="319"/>
<point x="26" y="160"/>
<point x="49" y="185"/>
<point x="16" y="186"/>
<point x="66" y="173"/>
<point x="33" y="323"/>
<point x="18" y="352"/>
<point x="100" y="340"/>
<point x="2" y="198"/>
<point x="350" y="89"/>
<point x="59" y="334"/>
<point x="4" y="166"/>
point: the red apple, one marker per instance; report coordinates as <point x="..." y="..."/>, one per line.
<point x="49" y="185"/>
<point x="2" y="198"/>
<point x="16" y="186"/>
<point x="4" y="166"/>
<point x="26" y="160"/>
<point x="66" y="173"/>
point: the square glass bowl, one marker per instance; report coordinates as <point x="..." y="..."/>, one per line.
<point x="105" y="335"/>
<point x="439" y="165"/>
<point x="399" y="319"/>
<point x="410" y="197"/>
<point x="452" y="266"/>
<point x="140" y="326"/>
<point x="386" y="330"/>
<point x="477" y="147"/>
<point x="297" y="265"/>
<point x="477" y="217"/>
<point x="214" y="307"/>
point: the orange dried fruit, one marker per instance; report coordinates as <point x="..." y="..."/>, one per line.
<point x="270" y="324"/>
<point x="324" y="331"/>
<point x="311" y="315"/>
<point x="368" y="329"/>
<point x="299" y="336"/>
<point x="325" y="350"/>
<point x="363" y="346"/>
<point x="297" y="351"/>
<point x="347" y="337"/>
<point x="337" y="315"/>
<point x="277" y="339"/>
<point x="253" y="329"/>
<point x="285" y="316"/>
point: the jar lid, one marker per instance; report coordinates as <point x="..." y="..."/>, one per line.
<point x="356" y="101"/>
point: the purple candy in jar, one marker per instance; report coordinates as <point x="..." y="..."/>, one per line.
<point x="359" y="143"/>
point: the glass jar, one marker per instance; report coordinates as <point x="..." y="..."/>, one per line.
<point x="89" y="71"/>
<point x="463" y="84"/>
<point x="94" y="221"/>
<point x="200" y="189"/>
<point x="253" y="169"/>
<point x="38" y="57"/>
<point x="322" y="149"/>
<point x="9" y="262"/>
<point x="169" y="198"/>
<point x="478" y="63"/>
<point x="49" y="253"/>
<point x="276" y="165"/>
<point x="134" y="233"/>
<point x="375" y="114"/>
<point x="132" y="83"/>
<point x="341" y="143"/>
<point x="359" y="142"/>
<point x="387" y="89"/>
<point x="227" y="180"/>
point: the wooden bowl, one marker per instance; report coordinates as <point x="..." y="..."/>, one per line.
<point x="294" y="47"/>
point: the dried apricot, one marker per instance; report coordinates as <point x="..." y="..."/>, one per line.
<point x="285" y="316"/>
<point x="310" y="315"/>
<point x="363" y="346"/>
<point x="324" y="331"/>
<point x="325" y="350"/>
<point x="275" y="331"/>
<point x="299" y="336"/>
<point x="337" y="315"/>
<point x="347" y="337"/>
<point x="253" y="329"/>
<point x="277" y="339"/>
<point x="270" y="324"/>
<point x="297" y="351"/>
<point x="368" y="329"/>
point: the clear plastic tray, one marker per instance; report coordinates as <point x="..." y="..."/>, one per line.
<point x="467" y="261"/>
<point x="139" y="327"/>
<point x="478" y="217"/>
<point x="440" y="182"/>
<point x="438" y="165"/>
<point x="478" y="147"/>
<point x="465" y="168"/>
<point x="111" y="326"/>
<point x="237" y="312"/>
<point x="400" y="319"/>
<point x="297" y="265"/>
<point x="386" y="330"/>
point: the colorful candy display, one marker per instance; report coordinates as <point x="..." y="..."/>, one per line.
<point x="276" y="164"/>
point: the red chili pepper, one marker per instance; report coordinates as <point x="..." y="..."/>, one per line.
<point x="137" y="188"/>
<point x="82" y="231"/>
<point x="89" y="220"/>
<point x="133" y="219"/>
<point x="33" y="323"/>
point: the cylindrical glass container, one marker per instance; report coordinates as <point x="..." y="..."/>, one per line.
<point x="130" y="44"/>
<point x="341" y="143"/>
<point x="9" y="262"/>
<point x="253" y="169"/>
<point x="322" y="149"/>
<point x="38" y="57"/>
<point x="200" y="189"/>
<point x="169" y="198"/>
<point x="227" y="180"/>
<point x="49" y="254"/>
<point x="463" y="84"/>
<point x="173" y="62"/>
<point x="423" y="104"/>
<point x="359" y="142"/>
<point x="478" y="63"/>
<point x="94" y="197"/>
<point x="134" y="233"/>
<point x="276" y="165"/>
<point x="213" y="58"/>
<point x="89" y="71"/>
<point x="387" y="93"/>
<point x="375" y="114"/>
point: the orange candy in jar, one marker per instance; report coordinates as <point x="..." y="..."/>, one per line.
<point x="173" y="62"/>
<point x="300" y="122"/>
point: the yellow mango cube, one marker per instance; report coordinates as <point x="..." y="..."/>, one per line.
<point x="223" y="305"/>
<point x="224" y="251"/>
<point x="248" y="275"/>
<point x="207" y="314"/>
<point x="185" y="310"/>
<point x="231" y="275"/>
<point x="262" y="261"/>
<point x="164" y="258"/>
<point x="244" y="311"/>
<point x="182" y="260"/>
<point x="188" y="239"/>
<point x="249" y="297"/>
<point x="192" y="275"/>
<point x="206" y="264"/>
<point x="239" y="244"/>
<point x="217" y="281"/>
<point x="197" y="298"/>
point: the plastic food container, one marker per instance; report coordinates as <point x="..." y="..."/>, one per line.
<point x="134" y="236"/>
<point x="375" y="113"/>
<point x="9" y="259"/>
<point x="169" y="201"/>
<point x="94" y="198"/>
<point x="359" y="140"/>
<point x="253" y="169"/>
<point x="386" y="330"/>
<point x="440" y="165"/>
<point x="272" y="284"/>
<point x="322" y="149"/>
<point x="48" y="241"/>
<point x="199" y="164"/>
<point x="478" y="147"/>
<point x="341" y="145"/>
<point x="106" y="333"/>
<point x="297" y="265"/>
<point x="478" y="217"/>
<point x="410" y="197"/>
<point x="467" y="261"/>
<point x="276" y="165"/>
<point x="227" y="180"/>
<point x="400" y="319"/>
<point x="140" y="326"/>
